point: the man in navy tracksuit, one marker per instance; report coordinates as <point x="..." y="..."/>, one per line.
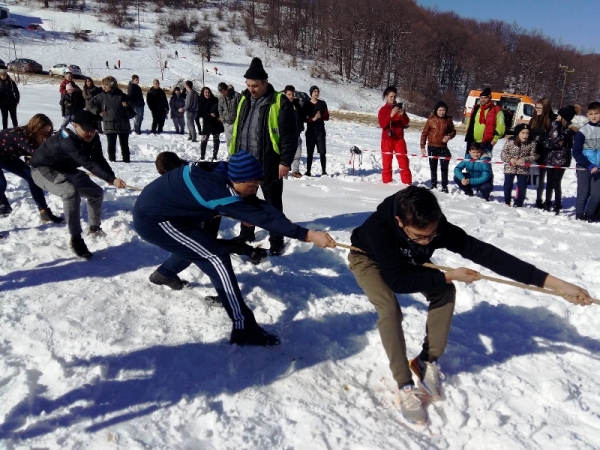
<point x="170" y="211"/>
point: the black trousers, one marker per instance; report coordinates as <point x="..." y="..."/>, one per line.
<point x="316" y="139"/>
<point x="6" y="110"/>
<point x="112" y="146"/>
<point x="433" y="164"/>
<point x="273" y="193"/>
<point x="158" y="121"/>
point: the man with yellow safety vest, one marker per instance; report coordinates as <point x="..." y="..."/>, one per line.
<point x="265" y="126"/>
<point x="486" y="124"/>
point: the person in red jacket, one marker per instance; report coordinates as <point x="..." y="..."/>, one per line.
<point x="393" y="120"/>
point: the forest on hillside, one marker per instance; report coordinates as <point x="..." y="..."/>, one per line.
<point x="429" y="55"/>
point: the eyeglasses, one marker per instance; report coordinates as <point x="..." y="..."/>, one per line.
<point x="413" y="238"/>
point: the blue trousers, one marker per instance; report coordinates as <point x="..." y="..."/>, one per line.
<point x="137" y="120"/>
<point x="190" y="243"/>
<point x="22" y="170"/>
<point x="588" y="193"/>
<point x="509" y="181"/>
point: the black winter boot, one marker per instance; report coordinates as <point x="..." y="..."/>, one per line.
<point x="277" y="246"/>
<point x="253" y="335"/>
<point x="5" y="210"/>
<point x="246" y="234"/>
<point x="539" y="204"/>
<point x="79" y="248"/>
<point x="47" y="216"/>
<point x="547" y="206"/>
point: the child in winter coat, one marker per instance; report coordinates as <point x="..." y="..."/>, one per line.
<point x="70" y="102"/>
<point x="478" y="174"/>
<point x="438" y="130"/>
<point x="586" y="152"/>
<point x="558" y="144"/>
<point x="517" y="152"/>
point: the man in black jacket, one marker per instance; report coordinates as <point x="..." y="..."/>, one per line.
<point x="265" y="127"/>
<point x="290" y="92"/>
<point x="136" y="101"/>
<point x="9" y="99"/>
<point x="54" y="169"/>
<point x="158" y="105"/>
<point x="396" y="240"/>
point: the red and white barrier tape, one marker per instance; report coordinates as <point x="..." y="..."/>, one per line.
<point x="450" y="158"/>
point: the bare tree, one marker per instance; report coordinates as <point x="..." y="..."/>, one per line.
<point x="159" y="58"/>
<point x="207" y="42"/>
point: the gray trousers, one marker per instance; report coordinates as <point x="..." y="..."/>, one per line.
<point x="179" y="124"/>
<point x="297" y="156"/>
<point x="228" y="135"/>
<point x="189" y="121"/>
<point x="71" y="187"/>
<point x="439" y="317"/>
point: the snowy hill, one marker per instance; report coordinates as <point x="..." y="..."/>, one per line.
<point x="94" y="356"/>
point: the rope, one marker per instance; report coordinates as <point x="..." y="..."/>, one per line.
<point x="127" y="186"/>
<point x="485" y="277"/>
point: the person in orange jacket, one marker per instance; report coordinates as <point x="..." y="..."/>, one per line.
<point x="393" y="120"/>
<point x="438" y="130"/>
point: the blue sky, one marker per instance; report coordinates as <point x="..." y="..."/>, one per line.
<point x="574" y="22"/>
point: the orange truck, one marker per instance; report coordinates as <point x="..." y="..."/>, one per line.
<point x="519" y="107"/>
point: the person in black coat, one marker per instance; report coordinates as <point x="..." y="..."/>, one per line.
<point x="395" y="241"/>
<point x="70" y="102"/>
<point x="158" y="104"/>
<point x="9" y="99"/>
<point x="208" y="110"/>
<point x="290" y="92"/>
<point x="114" y="108"/>
<point x="90" y="90"/>
<point x="136" y="101"/>
<point x="54" y="168"/>
<point x="315" y="113"/>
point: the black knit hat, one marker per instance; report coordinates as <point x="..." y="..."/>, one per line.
<point x="567" y="113"/>
<point x="521" y="127"/>
<point x="243" y="167"/>
<point x="487" y="92"/>
<point x="256" y="70"/>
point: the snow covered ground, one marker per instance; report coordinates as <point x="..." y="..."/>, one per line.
<point x="94" y="356"/>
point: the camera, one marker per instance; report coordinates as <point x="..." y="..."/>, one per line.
<point x="399" y="105"/>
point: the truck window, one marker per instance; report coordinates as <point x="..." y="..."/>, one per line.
<point x="528" y="109"/>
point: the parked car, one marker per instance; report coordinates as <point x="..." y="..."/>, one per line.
<point x="60" y="69"/>
<point x="35" y="27"/>
<point x="25" y="65"/>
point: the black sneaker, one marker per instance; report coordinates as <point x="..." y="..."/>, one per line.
<point x="174" y="283"/>
<point x="214" y="299"/>
<point x="5" y="210"/>
<point x="79" y="248"/>
<point x="96" y="232"/>
<point x="245" y="236"/>
<point x="539" y="204"/>
<point x="257" y="255"/>
<point x="445" y="189"/>
<point x="47" y="216"/>
<point x="580" y="217"/>
<point x="253" y="335"/>
<point x="276" y="248"/>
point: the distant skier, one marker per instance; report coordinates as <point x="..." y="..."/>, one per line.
<point x="119" y="63"/>
<point x="216" y="70"/>
<point x="176" y="54"/>
<point x="107" y="66"/>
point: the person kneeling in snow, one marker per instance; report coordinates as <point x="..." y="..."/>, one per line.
<point x="54" y="169"/>
<point x="396" y="239"/>
<point x="170" y="211"/>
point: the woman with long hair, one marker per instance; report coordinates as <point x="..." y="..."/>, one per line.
<point x="540" y="127"/>
<point x="16" y="143"/>
<point x="517" y="152"/>
<point x="393" y="120"/>
<point x="208" y="110"/>
<point x="559" y="145"/>
<point x="90" y="90"/>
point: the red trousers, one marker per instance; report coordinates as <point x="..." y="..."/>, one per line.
<point x="388" y="147"/>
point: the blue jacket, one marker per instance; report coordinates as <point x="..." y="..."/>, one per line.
<point x="586" y="146"/>
<point x="480" y="171"/>
<point x="195" y="193"/>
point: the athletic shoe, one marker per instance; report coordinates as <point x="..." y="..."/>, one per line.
<point x="5" y="210"/>
<point x="174" y="283"/>
<point x="47" y="216"/>
<point x="96" y="232"/>
<point x="257" y="255"/>
<point x="277" y="248"/>
<point x="215" y="299"/>
<point x="429" y="377"/>
<point x="253" y="335"/>
<point x="245" y="236"/>
<point x="445" y="189"/>
<point x="411" y="406"/>
<point x="296" y="174"/>
<point x="79" y="248"/>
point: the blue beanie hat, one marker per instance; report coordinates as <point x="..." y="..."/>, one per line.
<point x="244" y="167"/>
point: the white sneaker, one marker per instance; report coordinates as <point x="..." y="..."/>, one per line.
<point x="411" y="406"/>
<point x="430" y="378"/>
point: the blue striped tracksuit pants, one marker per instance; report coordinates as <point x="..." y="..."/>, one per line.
<point x="190" y="243"/>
